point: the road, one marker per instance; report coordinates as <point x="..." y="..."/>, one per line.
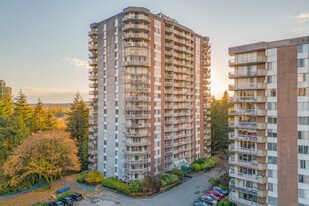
<point x="182" y="195"/>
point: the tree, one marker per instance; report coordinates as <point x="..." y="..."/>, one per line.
<point x="23" y="109"/>
<point x="6" y="108"/>
<point x="78" y="126"/>
<point x="42" y="118"/>
<point x="13" y="132"/>
<point x="47" y="154"/>
<point x="219" y="123"/>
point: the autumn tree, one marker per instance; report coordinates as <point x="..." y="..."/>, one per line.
<point x="42" y="118"/>
<point x="219" y="123"/>
<point x="47" y="154"/>
<point x="78" y="127"/>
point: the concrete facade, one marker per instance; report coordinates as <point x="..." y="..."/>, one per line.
<point x="271" y="123"/>
<point x="150" y="86"/>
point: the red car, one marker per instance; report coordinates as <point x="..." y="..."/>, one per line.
<point x="218" y="194"/>
<point x="213" y="196"/>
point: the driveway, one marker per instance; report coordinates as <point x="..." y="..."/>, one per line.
<point x="182" y="195"/>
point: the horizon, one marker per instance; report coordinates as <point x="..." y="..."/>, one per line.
<point x="48" y="59"/>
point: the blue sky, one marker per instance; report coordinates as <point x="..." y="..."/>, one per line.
<point x="43" y="44"/>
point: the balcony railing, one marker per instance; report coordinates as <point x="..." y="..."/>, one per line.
<point x="250" y="99"/>
<point x="253" y="60"/>
<point x="137" y="63"/>
<point x="137" y="134"/>
<point x="249" y="112"/>
<point x="141" y="143"/>
<point x="136" y="44"/>
<point x="247" y="125"/>
<point x="137" y="116"/>
<point x="250" y="86"/>
<point x="247" y="74"/>
<point x="136" y="36"/>
<point x="242" y="137"/>
<point x="133" y="161"/>
<point x="245" y="163"/>
<point x="137" y="171"/>
<point x="253" y="178"/>
<point x="93" y="33"/>
<point x="237" y="200"/>
<point x="135" y="17"/>
<point x="245" y="150"/>
<point x="135" y="26"/>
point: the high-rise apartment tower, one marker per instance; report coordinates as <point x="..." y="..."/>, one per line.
<point x="270" y="149"/>
<point x="150" y="86"/>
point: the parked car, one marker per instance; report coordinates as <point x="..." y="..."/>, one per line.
<point x="57" y="203"/>
<point x="67" y="201"/>
<point x="76" y="197"/>
<point x="214" y="197"/>
<point x="200" y="203"/>
<point x="222" y="191"/>
<point x="216" y="193"/>
<point x="208" y="199"/>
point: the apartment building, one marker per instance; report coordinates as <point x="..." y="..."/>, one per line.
<point x="270" y="149"/>
<point x="4" y="90"/>
<point x="150" y="85"/>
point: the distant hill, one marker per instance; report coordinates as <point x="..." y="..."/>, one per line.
<point x="64" y="105"/>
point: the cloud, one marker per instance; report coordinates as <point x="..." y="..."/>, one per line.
<point x="303" y="16"/>
<point x="76" y="62"/>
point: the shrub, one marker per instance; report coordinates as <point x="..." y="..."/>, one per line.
<point x="93" y="177"/>
<point x="168" y="179"/>
<point x="115" y="184"/>
<point x="63" y="195"/>
<point x="225" y="203"/>
<point x="180" y="174"/>
<point x="150" y="184"/>
<point x="200" y="161"/>
<point x="81" y="176"/>
<point x="135" y="186"/>
<point x="215" y="159"/>
<point x="196" y="167"/>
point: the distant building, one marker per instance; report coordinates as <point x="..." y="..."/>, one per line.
<point x="270" y="149"/>
<point x="151" y="88"/>
<point x="4" y="90"/>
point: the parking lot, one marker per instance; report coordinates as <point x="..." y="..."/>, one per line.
<point x="182" y="195"/>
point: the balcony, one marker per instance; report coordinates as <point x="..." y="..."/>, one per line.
<point x="136" y="44"/>
<point x="93" y="85"/>
<point x="95" y="92"/>
<point x="137" y="99"/>
<point x="253" y="99"/>
<point x="93" y="33"/>
<point x="133" y="161"/>
<point x="137" y="171"/>
<point x="247" y="74"/>
<point x="136" y="62"/>
<point x="137" y="116"/>
<point x="93" y="77"/>
<point x="141" y="143"/>
<point x="253" y="178"/>
<point x="93" y="47"/>
<point x="93" y="55"/>
<point x="137" y="108"/>
<point x="251" y="86"/>
<point x="245" y="150"/>
<point x="137" y="81"/>
<point x="247" y="125"/>
<point x="247" y="112"/>
<point x="249" y="61"/>
<point x="136" y="36"/>
<point x="240" y="201"/>
<point x="141" y="125"/>
<point x="139" y="17"/>
<point x="143" y="27"/>
<point x="249" y="190"/>
<point x="137" y="134"/>
<point x="250" y="164"/>
<point x="242" y="137"/>
<point x="93" y="62"/>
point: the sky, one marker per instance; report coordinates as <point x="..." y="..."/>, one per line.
<point x="44" y="44"/>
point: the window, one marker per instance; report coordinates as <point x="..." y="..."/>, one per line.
<point x="302" y="91"/>
<point x="271" y="106"/>
<point x="300" y="62"/>
<point x="272" y="146"/>
<point x="272" y="160"/>
<point x="303" y="179"/>
<point x="272" y="174"/>
<point x="303" y="149"/>
<point x="271" y="79"/>
<point x="272" y="52"/>
<point x="272" y="200"/>
<point x="303" y="164"/>
<point x="272" y="133"/>
<point x="300" y="48"/>
<point x="272" y="65"/>
<point x="303" y="135"/>
<point x="303" y="120"/>
<point x="303" y="77"/>
<point x="272" y="187"/>
<point x="271" y="92"/>
<point x="303" y="106"/>
<point x="272" y="120"/>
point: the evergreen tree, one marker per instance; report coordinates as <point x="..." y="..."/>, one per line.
<point x="42" y="118"/>
<point x="23" y="109"/>
<point x="78" y="126"/>
<point x="6" y="108"/>
<point x="219" y="123"/>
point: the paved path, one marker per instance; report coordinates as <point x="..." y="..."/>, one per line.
<point x="182" y="195"/>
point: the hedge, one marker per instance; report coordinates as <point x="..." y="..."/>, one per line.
<point x="135" y="186"/>
<point x="168" y="179"/>
<point x="203" y="164"/>
<point x="180" y="174"/>
<point x="90" y="177"/>
<point x="115" y="184"/>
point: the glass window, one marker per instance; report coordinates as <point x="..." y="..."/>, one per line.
<point x="300" y="62"/>
<point x="272" y="200"/>
<point x="302" y="149"/>
<point x="272" y="146"/>
<point x="272" y="160"/>
<point x="303" y="120"/>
